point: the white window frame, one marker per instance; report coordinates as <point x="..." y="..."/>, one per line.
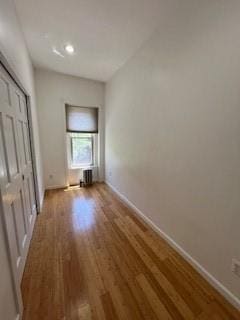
<point x="70" y="166"/>
<point x="71" y="153"/>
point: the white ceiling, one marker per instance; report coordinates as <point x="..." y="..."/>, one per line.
<point x="105" y="33"/>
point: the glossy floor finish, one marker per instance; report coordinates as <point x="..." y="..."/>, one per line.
<point x="92" y="258"/>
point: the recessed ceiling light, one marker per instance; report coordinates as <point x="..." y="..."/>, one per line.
<point x="69" y="48"/>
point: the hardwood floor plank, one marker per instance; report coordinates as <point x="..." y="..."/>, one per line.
<point x="161" y="279"/>
<point x="153" y="299"/>
<point x="108" y="307"/>
<point x="161" y="253"/>
<point x="92" y="258"/>
<point x="179" y="287"/>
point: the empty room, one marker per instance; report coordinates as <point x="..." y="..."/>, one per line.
<point x="119" y="160"/>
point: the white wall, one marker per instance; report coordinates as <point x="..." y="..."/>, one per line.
<point x="173" y="132"/>
<point x="13" y="47"/>
<point x="53" y="91"/>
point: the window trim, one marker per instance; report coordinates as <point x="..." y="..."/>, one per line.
<point x="81" y="165"/>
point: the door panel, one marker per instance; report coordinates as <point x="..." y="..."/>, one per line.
<point x="28" y="200"/>
<point x="31" y="192"/>
<point x="16" y="175"/>
<point x="3" y="169"/>
<point x="4" y="90"/>
<point x="9" y="308"/>
<point x="21" y="144"/>
<point x="26" y="141"/>
<point x="21" y="222"/>
<point x="11" y="145"/>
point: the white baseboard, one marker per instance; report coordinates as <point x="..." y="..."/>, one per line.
<point x="196" y="265"/>
<point x="56" y="187"/>
<point x="66" y="185"/>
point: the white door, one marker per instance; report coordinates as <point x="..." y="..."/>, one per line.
<point x="16" y="174"/>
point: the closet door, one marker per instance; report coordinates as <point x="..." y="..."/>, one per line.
<point x="19" y="102"/>
<point x="16" y="174"/>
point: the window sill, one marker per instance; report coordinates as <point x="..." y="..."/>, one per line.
<point x="82" y="167"/>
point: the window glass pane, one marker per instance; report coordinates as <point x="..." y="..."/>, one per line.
<point x="81" y="149"/>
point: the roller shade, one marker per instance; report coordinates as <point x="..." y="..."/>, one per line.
<point x="81" y="119"/>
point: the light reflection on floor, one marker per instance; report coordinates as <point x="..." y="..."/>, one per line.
<point x="70" y="188"/>
<point x="83" y="214"/>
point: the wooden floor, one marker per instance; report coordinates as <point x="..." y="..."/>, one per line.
<point x="92" y="258"/>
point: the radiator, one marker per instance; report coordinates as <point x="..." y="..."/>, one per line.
<point x="87" y="177"/>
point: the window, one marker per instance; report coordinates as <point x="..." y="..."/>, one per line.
<point x="81" y="149"/>
<point x="82" y="130"/>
